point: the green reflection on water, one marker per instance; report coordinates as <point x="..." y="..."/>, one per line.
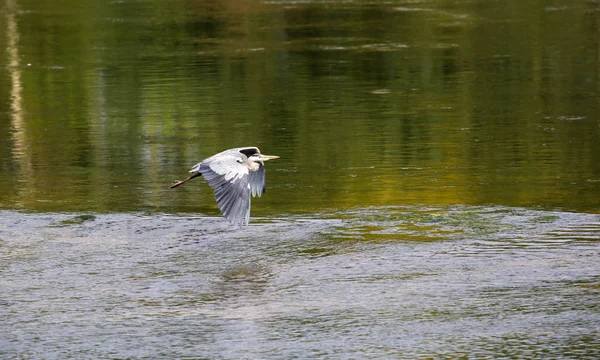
<point x="368" y="104"/>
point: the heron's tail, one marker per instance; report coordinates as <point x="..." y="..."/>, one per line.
<point x="179" y="182"/>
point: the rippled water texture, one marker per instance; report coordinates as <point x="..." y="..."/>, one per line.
<point x="375" y="283"/>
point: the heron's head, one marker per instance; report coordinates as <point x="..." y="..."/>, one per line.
<point x="258" y="157"/>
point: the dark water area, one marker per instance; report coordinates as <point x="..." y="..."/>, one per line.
<point x="437" y="192"/>
<point x="367" y="103"/>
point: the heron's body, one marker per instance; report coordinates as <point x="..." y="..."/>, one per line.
<point x="234" y="174"/>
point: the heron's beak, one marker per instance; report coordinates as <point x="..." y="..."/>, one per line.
<point x="267" y="157"/>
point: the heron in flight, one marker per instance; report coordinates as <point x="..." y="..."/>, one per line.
<point x="234" y="174"/>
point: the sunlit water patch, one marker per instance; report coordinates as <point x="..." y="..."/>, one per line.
<point x="378" y="282"/>
<point x="498" y="225"/>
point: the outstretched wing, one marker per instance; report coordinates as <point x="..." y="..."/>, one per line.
<point x="228" y="175"/>
<point x="256" y="180"/>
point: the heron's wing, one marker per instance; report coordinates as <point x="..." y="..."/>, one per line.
<point x="229" y="179"/>
<point x="256" y="180"/>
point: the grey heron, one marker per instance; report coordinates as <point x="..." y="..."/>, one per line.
<point x="234" y="174"/>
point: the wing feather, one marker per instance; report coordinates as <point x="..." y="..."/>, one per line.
<point x="228" y="177"/>
<point x="256" y="180"/>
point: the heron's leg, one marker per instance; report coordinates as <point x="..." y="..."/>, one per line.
<point x="179" y="182"/>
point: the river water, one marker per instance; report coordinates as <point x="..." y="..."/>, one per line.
<point x="379" y="283"/>
<point x="437" y="193"/>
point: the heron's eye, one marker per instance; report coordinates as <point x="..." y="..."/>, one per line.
<point x="239" y="161"/>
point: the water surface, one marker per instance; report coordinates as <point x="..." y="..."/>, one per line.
<point x="406" y="283"/>
<point x="437" y="193"/>
<point x="367" y="103"/>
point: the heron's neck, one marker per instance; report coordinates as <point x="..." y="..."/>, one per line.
<point x="253" y="166"/>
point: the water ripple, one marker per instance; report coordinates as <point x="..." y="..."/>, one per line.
<point x="402" y="282"/>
